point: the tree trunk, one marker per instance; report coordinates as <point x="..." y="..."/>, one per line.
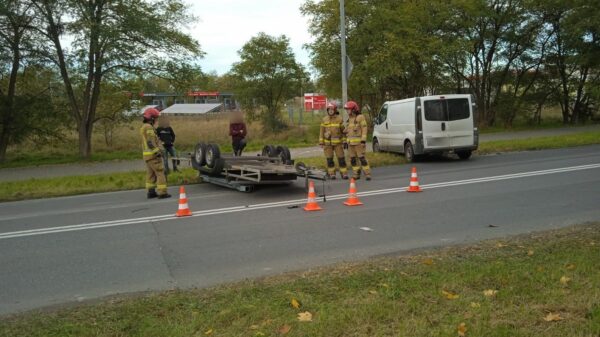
<point x="4" y="139"/>
<point x="85" y="140"/>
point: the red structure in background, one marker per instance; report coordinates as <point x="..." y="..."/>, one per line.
<point x="314" y="101"/>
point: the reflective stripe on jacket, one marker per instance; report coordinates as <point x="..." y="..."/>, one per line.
<point x="332" y="130"/>
<point x="356" y="129"/>
<point x="150" y="145"/>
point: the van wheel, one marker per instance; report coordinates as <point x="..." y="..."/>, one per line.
<point x="376" y="147"/>
<point x="409" y="153"/>
<point x="464" y="155"/>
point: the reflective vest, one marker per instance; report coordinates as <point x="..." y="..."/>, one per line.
<point x="150" y="144"/>
<point x="356" y="129"/>
<point x="332" y="130"/>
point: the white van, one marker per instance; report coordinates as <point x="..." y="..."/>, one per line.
<point x="429" y="124"/>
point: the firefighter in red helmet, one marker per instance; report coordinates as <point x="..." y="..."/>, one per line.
<point x="356" y="135"/>
<point x="331" y="139"/>
<point x="156" y="182"/>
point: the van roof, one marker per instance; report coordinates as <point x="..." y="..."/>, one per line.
<point x="449" y="96"/>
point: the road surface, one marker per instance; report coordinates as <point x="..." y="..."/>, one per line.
<point x="70" y="249"/>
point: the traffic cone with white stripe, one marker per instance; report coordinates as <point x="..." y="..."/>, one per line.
<point x="311" y="204"/>
<point x="352" y="197"/>
<point x="184" y="209"/>
<point x="414" y="182"/>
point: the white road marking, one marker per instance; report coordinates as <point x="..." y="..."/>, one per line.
<point x="244" y="208"/>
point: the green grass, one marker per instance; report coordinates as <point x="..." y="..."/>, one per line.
<point x="542" y="143"/>
<point x="35" y="158"/>
<point x="394" y="296"/>
<point x="62" y="186"/>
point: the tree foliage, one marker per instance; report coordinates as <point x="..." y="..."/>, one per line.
<point x="512" y="55"/>
<point x="110" y="39"/>
<point x="267" y="75"/>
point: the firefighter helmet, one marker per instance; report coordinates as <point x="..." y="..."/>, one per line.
<point x="151" y="113"/>
<point x="332" y="106"/>
<point x="352" y="106"/>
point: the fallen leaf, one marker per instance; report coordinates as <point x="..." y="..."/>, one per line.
<point x="475" y="305"/>
<point x="403" y="273"/>
<point x="305" y="316"/>
<point x="373" y="292"/>
<point x="467" y="315"/>
<point x="540" y="269"/>
<point x="450" y="295"/>
<point x="208" y="332"/>
<point x="570" y="266"/>
<point x="462" y="329"/>
<point x="529" y="252"/>
<point x="385" y="285"/>
<point x="500" y="245"/>
<point x="490" y="292"/>
<point x="427" y="262"/>
<point x="284" y="329"/>
<point x="254" y="327"/>
<point x="552" y="317"/>
<point x="565" y="280"/>
<point x="294" y="302"/>
<point x="366" y="229"/>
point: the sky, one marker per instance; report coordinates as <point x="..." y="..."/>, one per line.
<point x="224" y="26"/>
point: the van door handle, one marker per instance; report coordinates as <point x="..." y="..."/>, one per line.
<point x="443" y="126"/>
<point x="386" y="126"/>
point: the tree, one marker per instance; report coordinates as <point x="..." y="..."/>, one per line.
<point x="110" y="39"/>
<point x="26" y="102"/>
<point x="268" y="75"/>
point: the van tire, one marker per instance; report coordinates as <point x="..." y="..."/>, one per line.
<point x="409" y="153"/>
<point x="464" y="155"/>
<point x="376" y="147"/>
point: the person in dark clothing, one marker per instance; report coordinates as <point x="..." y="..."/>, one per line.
<point x="167" y="136"/>
<point x="238" y="132"/>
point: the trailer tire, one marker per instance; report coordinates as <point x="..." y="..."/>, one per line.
<point x="217" y="169"/>
<point x="269" y="151"/>
<point x="199" y="156"/>
<point x="212" y="154"/>
<point x="284" y="153"/>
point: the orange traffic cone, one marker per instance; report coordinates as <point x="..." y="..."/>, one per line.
<point x="352" y="198"/>
<point x="311" y="204"/>
<point x="414" y="182"/>
<point x="184" y="209"/>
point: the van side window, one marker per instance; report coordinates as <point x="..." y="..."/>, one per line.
<point x="382" y="117"/>
<point x="458" y="108"/>
<point x="434" y="110"/>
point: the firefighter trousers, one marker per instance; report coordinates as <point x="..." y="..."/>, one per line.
<point x="358" y="159"/>
<point x="155" y="176"/>
<point x="338" y="150"/>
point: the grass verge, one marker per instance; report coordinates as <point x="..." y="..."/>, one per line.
<point x="62" y="186"/>
<point x="542" y="143"/>
<point x="494" y="288"/>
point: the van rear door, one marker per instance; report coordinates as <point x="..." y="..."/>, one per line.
<point x="460" y="122"/>
<point x="435" y="124"/>
<point x="381" y="127"/>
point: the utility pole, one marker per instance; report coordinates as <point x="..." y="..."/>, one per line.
<point x="343" y="43"/>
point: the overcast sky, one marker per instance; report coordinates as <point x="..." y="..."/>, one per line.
<point x="224" y="26"/>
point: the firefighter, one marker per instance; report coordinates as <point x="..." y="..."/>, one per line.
<point x="156" y="182"/>
<point x="331" y="139"/>
<point x="356" y="134"/>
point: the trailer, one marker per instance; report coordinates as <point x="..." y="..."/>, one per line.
<point x="273" y="166"/>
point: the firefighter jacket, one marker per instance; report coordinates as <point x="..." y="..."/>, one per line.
<point x="332" y="130"/>
<point x="151" y="147"/>
<point x="356" y="129"/>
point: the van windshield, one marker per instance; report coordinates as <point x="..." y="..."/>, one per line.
<point x="447" y="109"/>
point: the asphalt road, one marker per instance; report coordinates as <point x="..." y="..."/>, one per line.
<point x="69" y="249"/>
<point x="62" y="170"/>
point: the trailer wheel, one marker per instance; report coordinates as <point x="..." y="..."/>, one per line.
<point x="212" y="154"/>
<point x="284" y="154"/>
<point x="199" y="157"/>
<point x="216" y="170"/>
<point x="269" y="151"/>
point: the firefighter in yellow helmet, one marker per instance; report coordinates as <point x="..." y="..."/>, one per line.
<point x="356" y="134"/>
<point x="331" y="139"/>
<point x="156" y="182"/>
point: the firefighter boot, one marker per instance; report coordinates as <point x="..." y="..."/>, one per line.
<point x="152" y="193"/>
